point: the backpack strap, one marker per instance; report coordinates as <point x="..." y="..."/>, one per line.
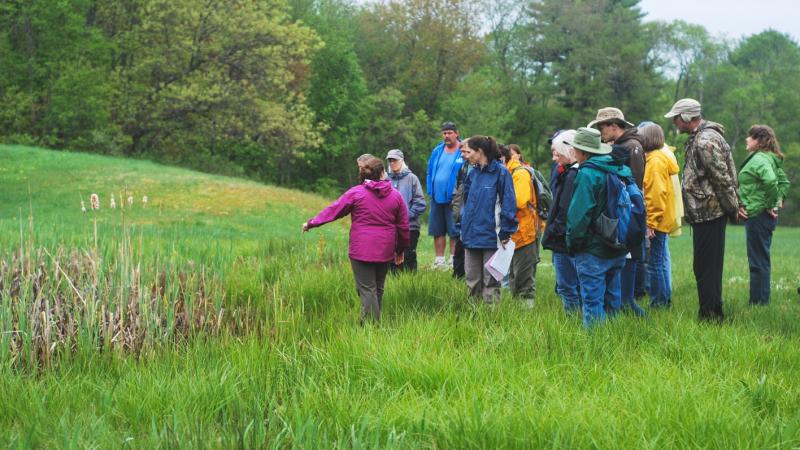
<point x="533" y="184"/>
<point x="532" y="201"/>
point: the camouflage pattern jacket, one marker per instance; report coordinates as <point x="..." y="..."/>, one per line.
<point x="709" y="175"/>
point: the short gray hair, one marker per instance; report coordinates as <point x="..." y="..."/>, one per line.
<point x="652" y="136"/>
<point x="561" y="147"/>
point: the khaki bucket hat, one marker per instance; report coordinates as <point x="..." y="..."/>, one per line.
<point x="605" y="115"/>
<point x="588" y="140"/>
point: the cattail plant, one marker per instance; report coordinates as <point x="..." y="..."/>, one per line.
<point x="94" y="200"/>
<point x="76" y="301"/>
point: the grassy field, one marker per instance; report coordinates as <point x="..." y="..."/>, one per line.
<point x="283" y="363"/>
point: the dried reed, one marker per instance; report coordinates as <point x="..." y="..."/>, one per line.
<point x="74" y="301"/>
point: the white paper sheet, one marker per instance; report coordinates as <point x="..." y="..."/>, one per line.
<point x="500" y="262"/>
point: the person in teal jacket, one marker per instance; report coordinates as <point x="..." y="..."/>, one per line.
<point x="597" y="264"/>
<point x="762" y="188"/>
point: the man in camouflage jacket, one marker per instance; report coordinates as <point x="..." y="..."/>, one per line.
<point x="709" y="175"/>
<point x="709" y="198"/>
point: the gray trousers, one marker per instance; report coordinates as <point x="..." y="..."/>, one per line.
<point x="522" y="275"/>
<point x="480" y="282"/>
<point x="370" y="277"/>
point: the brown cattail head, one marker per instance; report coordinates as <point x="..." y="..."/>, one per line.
<point x="95" y="201"/>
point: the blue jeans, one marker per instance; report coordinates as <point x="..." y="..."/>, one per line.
<point x="567" y="281"/>
<point x="599" y="279"/>
<point x="759" y="230"/>
<point x="628" y="277"/>
<point x="659" y="270"/>
<point x="642" y="286"/>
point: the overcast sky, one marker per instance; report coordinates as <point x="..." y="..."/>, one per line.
<point x="733" y="19"/>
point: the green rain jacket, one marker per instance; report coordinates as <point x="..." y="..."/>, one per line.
<point x="588" y="202"/>
<point x="762" y="182"/>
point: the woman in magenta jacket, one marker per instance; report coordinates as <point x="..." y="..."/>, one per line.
<point x="378" y="233"/>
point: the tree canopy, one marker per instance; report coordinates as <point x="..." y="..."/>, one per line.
<point x="292" y="91"/>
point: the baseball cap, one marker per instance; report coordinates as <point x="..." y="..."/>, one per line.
<point x="687" y="106"/>
<point x="394" y="154"/>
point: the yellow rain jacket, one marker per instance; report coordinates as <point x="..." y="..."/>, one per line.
<point x="526" y="205"/>
<point x="676" y="187"/>
<point x="659" y="193"/>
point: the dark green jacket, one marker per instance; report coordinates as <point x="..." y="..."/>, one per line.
<point x="762" y="182"/>
<point x="588" y="202"/>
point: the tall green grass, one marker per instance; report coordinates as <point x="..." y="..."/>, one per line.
<point x="438" y="372"/>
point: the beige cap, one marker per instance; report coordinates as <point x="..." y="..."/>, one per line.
<point x="687" y="106"/>
<point x="605" y="115"/>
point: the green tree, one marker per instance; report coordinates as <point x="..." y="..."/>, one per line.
<point x="760" y="83"/>
<point x="687" y="53"/>
<point x="479" y="105"/>
<point x="192" y="77"/>
<point x="337" y="94"/>
<point x="389" y="127"/>
<point x="599" y="54"/>
<point x="53" y="82"/>
<point x="421" y="47"/>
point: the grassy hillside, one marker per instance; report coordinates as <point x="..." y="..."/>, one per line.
<point x="288" y="365"/>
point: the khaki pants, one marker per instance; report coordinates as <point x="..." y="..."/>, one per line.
<point x="480" y="282"/>
<point x="521" y="276"/>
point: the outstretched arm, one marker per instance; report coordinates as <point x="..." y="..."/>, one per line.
<point x="340" y="208"/>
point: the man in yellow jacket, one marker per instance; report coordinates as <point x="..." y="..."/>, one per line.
<point x="521" y="276"/>
<point x="662" y="219"/>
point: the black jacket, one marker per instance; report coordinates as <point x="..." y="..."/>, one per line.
<point x="555" y="233"/>
<point x="628" y="149"/>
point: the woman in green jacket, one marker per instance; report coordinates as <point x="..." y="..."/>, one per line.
<point x="762" y="187"/>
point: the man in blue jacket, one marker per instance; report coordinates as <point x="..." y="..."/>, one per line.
<point x="443" y="166"/>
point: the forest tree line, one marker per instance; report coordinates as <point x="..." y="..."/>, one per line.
<point x="292" y="91"/>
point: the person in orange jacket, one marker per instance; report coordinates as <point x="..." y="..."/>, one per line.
<point x="522" y="274"/>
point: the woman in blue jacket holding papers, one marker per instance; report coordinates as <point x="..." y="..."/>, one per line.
<point x="488" y="217"/>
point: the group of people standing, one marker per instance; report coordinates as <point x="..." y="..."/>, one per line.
<point x="483" y="196"/>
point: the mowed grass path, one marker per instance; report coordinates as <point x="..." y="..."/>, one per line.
<point x="438" y="372"/>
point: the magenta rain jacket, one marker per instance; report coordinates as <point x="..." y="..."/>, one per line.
<point x="379" y="216"/>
